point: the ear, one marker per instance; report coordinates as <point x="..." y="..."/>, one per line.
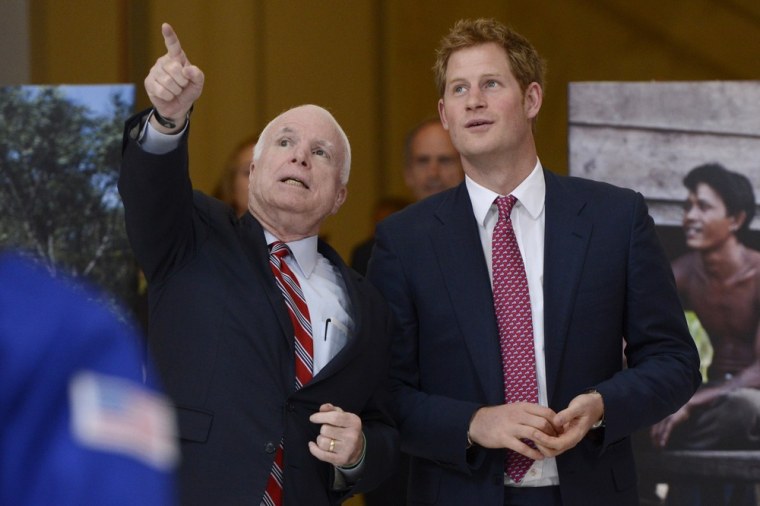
<point x="442" y="114"/>
<point x="339" y="199"/>
<point x="534" y="97"/>
<point x="738" y="220"/>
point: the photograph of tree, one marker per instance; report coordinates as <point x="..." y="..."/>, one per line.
<point x="60" y="152"/>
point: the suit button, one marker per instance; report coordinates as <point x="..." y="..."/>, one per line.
<point x="270" y="447"/>
<point x="291" y="407"/>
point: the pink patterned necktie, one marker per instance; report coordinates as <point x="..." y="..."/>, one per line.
<point x="304" y="345"/>
<point x="513" y="318"/>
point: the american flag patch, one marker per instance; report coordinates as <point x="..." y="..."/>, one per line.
<point x="115" y="415"/>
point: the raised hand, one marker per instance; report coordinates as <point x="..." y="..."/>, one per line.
<point x="173" y="84"/>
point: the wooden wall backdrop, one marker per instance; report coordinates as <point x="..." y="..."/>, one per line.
<point x="369" y="62"/>
<point x="648" y="136"/>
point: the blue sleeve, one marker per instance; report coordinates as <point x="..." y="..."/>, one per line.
<point x="78" y="425"/>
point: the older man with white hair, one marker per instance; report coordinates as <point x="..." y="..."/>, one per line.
<point x="273" y="351"/>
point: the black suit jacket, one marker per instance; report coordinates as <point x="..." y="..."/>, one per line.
<point x="360" y="256"/>
<point x="223" y="343"/>
<point x="606" y="279"/>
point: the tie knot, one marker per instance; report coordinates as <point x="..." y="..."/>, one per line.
<point x="505" y="205"/>
<point x="279" y="249"/>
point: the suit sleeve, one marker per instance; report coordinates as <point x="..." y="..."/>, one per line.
<point x="662" y="362"/>
<point x="158" y="202"/>
<point x="80" y="425"/>
<point x="432" y="426"/>
<point x="382" y="438"/>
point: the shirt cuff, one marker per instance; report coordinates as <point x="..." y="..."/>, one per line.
<point x="346" y="475"/>
<point x="156" y="143"/>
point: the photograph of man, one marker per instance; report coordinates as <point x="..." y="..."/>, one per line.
<point x="719" y="280"/>
<point x="274" y="352"/>
<point x="512" y="295"/>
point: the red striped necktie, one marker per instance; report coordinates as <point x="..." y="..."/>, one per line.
<point x="304" y="356"/>
<point x="513" y="318"/>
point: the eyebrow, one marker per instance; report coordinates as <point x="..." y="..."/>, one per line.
<point x="323" y="143"/>
<point x="490" y="75"/>
<point x="286" y="130"/>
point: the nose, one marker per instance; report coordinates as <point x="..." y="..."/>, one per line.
<point x="691" y="216"/>
<point x="475" y="99"/>
<point x="434" y="170"/>
<point x="300" y="156"/>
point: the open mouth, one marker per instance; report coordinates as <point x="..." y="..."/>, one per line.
<point x="691" y="230"/>
<point x="291" y="181"/>
<point x="477" y="123"/>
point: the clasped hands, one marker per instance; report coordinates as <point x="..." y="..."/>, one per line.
<point x="340" y="441"/>
<point x="507" y="425"/>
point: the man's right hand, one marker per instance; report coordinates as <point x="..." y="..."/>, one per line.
<point x="505" y="426"/>
<point x="173" y="84"/>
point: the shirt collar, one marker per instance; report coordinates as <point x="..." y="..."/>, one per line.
<point x="304" y="251"/>
<point x="530" y="193"/>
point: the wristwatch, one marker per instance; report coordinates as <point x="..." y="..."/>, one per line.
<point x="167" y="123"/>
<point x="164" y="122"/>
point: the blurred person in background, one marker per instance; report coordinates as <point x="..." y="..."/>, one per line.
<point x="431" y="162"/>
<point x="383" y="208"/>
<point x="78" y="424"/>
<point x="232" y="187"/>
<point x="431" y="165"/>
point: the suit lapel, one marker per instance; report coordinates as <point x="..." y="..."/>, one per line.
<point x="456" y="244"/>
<point x="567" y="236"/>
<point x="255" y="247"/>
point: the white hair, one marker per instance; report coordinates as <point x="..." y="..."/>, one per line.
<point x="345" y="170"/>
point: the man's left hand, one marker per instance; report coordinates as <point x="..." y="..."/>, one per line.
<point x="571" y="424"/>
<point x="340" y="441"/>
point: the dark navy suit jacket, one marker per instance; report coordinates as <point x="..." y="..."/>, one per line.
<point x="223" y="343"/>
<point x="606" y="279"/>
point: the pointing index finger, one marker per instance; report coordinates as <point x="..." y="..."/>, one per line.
<point x="171" y="41"/>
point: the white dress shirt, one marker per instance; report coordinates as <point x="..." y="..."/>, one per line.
<point x="326" y="297"/>
<point x="529" y="223"/>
